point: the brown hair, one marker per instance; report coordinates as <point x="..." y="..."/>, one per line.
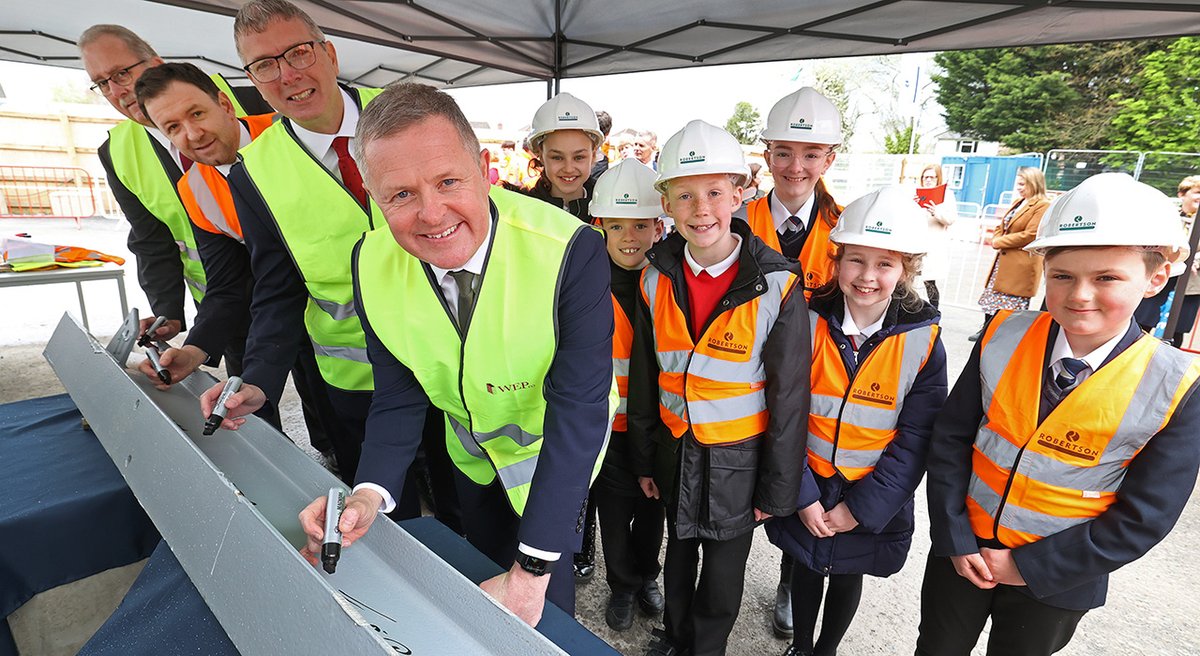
<point x="1154" y="257"/>
<point x="402" y="105"/>
<point x="256" y="15"/>
<point x="931" y="167"/>
<point x="155" y="81"/>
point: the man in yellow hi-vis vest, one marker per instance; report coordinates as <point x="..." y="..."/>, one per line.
<point x="142" y="167"/>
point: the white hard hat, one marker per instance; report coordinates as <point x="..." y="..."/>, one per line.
<point x="700" y="149"/>
<point x="805" y="116"/>
<point x="1112" y="209"/>
<point x="887" y="218"/>
<point x="626" y="191"/>
<point x="564" y="112"/>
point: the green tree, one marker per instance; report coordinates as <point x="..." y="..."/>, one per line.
<point x="1041" y="97"/>
<point x="898" y="136"/>
<point x="745" y="123"/>
<point x="832" y="82"/>
<point x="1161" y="110"/>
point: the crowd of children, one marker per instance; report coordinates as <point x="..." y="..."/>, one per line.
<point x="777" y="367"/>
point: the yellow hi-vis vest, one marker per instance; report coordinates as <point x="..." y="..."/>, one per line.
<point x="141" y="171"/>
<point x="716" y="386"/>
<point x="491" y="384"/>
<point x="852" y="420"/>
<point x="816" y="256"/>
<point x="320" y="221"/>
<point x="1031" y="480"/>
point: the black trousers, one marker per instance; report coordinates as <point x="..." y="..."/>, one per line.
<point x="953" y="612"/>
<point x="700" y="614"/>
<point x="320" y="418"/>
<point x="491" y="527"/>
<point x="631" y="534"/>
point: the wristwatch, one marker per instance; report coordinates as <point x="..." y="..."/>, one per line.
<point x="533" y="564"/>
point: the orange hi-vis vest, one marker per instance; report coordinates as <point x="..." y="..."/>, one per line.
<point x="852" y="419"/>
<point x="205" y="191"/>
<point x="622" y="347"/>
<point x="716" y="386"/>
<point x="816" y="256"/>
<point x="1031" y="480"/>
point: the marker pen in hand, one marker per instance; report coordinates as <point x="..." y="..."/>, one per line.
<point x="331" y="545"/>
<point x="218" y="414"/>
<point x="148" y="336"/>
<point x="163" y="374"/>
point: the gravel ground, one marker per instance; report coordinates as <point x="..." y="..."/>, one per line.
<point x="1153" y="603"/>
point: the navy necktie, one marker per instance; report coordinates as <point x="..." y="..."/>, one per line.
<point x="792" y="237"/>
<point x="1068" y="377"/>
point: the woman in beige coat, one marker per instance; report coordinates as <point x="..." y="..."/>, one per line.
<point x="936" y="265"/>
<point x="1015" y="273"/>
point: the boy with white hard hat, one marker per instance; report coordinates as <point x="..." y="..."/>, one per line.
<point x="1067" y="448"/>
<point x="627" y="206"/>
<point x="566" y="134"/>
<point x="801" y="136"/>
<point x="878" y="380"/>
<point x="721" y="362"/>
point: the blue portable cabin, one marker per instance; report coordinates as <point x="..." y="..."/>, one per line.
<point x="981" y="179"/>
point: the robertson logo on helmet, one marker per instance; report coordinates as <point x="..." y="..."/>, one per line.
<point x="878" y="228"/>
<point x="800" y="124"/>
<point x="625" y="200"/>
<point x="1077" y="223"/>
<point x="567" y="117"/>
<point x="691" y="158"/>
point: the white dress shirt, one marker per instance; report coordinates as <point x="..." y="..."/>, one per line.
<point x="321" y="145"/>
<point x="243" y="141"/>
<point x="718" y="268"/>
<point x="1062" y="349"/>
<point x="780" y="214"/>
<point x="166" y="143"/>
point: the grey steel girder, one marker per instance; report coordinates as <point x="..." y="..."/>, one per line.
<point x="227" y="505"/>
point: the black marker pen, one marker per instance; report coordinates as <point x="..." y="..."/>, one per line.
<point x="163" y="374"/>
<point x="218" y="414"/>
<point x="331" y="545"/>
<point x="148" y="336"/>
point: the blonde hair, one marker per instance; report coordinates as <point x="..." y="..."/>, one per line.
<point x="1187" y="184"/>
<point x="905" y="292"/>
<point x="1035" y="182"/>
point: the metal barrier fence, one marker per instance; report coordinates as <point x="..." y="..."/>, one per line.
<point x="1066" y="168"/>
<point x="46" y="192"/>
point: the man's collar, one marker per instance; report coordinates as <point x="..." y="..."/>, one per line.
<point x="473" y="265"/>
<point x="243" y="141"/>
<point x="318" y="144"/>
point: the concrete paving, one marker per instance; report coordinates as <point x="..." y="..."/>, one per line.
<point x="1153" y="603"/>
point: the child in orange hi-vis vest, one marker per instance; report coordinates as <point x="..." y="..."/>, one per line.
<point x="878" y="381"/>
<point x="627" y="206"/>
<point x="1067" y="448"/>
<point x="721" y="360"/>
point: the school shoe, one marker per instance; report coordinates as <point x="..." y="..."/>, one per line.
<point x="585" y="568"/>
<point x="650" y="598"/>
<point x="976" y="336"/>
<point x="619" y="614"/>
<point x="660" y="645"/>
<point x="793" y="651"/>
<point x="781" y="619"/>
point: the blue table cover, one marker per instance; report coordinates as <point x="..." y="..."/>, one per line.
<point x="65" y="511"/>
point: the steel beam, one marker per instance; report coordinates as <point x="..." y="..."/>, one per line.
<point x="227" y="505"/>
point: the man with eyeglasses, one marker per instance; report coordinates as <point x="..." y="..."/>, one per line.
<point x="143" y="168"/>
<point x="803" y="130"/>
<point x="302" y="206"/>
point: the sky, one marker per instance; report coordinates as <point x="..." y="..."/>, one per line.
<point x="661" y="101"/>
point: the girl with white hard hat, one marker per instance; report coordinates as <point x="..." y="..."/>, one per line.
<point x="564" y="140"/>
<point x="878" y="380"/>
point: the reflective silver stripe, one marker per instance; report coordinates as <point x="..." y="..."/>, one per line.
<point x="820" y="446"/>
<point x="339" y="311"/>
<point x="813" y="319"/>
<point x="194" y="284"/>
<point x="825" y="405"/>
<point x="622" y="405"/>
<point x="674" y="403"/>
<point x="674" y="362"/>
<point x="464" y="438"/>
<point x="518" y="473"/>
<point x="865" y="416"/>
<point x="511" y="431"/>
<point x="916" y="345"/>
<point x="191" y="253"/>
<point x="725" y="371"/>
<point x="208" y="204"/>
<point x="995" y="356"/>
<point x="728" y="409"/>
<point x="857" y="459"/>
<point x="621" y="367"/>
<point x="351" y="353"/>
<point x="650" y="284"/>
<point x="1017" y="518"/>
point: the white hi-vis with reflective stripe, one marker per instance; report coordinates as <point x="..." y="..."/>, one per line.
<point x="1030" y="479"/>
<point x="853" y="419"/>
<point x="714" y="386"/>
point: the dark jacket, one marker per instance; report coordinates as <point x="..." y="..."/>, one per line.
<point x="711" y="492"/>
<point x="1068" y="569"/>
<point x="881" y="501"/>
<point x="541" y="191"/>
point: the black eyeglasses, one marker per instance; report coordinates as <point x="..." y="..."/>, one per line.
<point x="122" y="77"/>
<point x="299" y="56"/>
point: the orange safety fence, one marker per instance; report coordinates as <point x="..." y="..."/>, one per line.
<point x="47" y="192"/>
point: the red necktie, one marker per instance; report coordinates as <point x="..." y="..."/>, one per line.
<point x="350" y="175"/>
<point x="184" y="162"/>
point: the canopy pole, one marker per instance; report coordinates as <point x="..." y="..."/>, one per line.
<point x="1181" y="286"/>
<point x="555" y="85"/>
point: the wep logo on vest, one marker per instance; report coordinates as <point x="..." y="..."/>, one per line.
<point x="510" y="387"/>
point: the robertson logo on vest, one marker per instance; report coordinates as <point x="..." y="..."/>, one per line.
<point x="873" y="395"/>
<point x="727" y="344"/>
<point x="510" y="387"/>
<point x="1068" y="445"/>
